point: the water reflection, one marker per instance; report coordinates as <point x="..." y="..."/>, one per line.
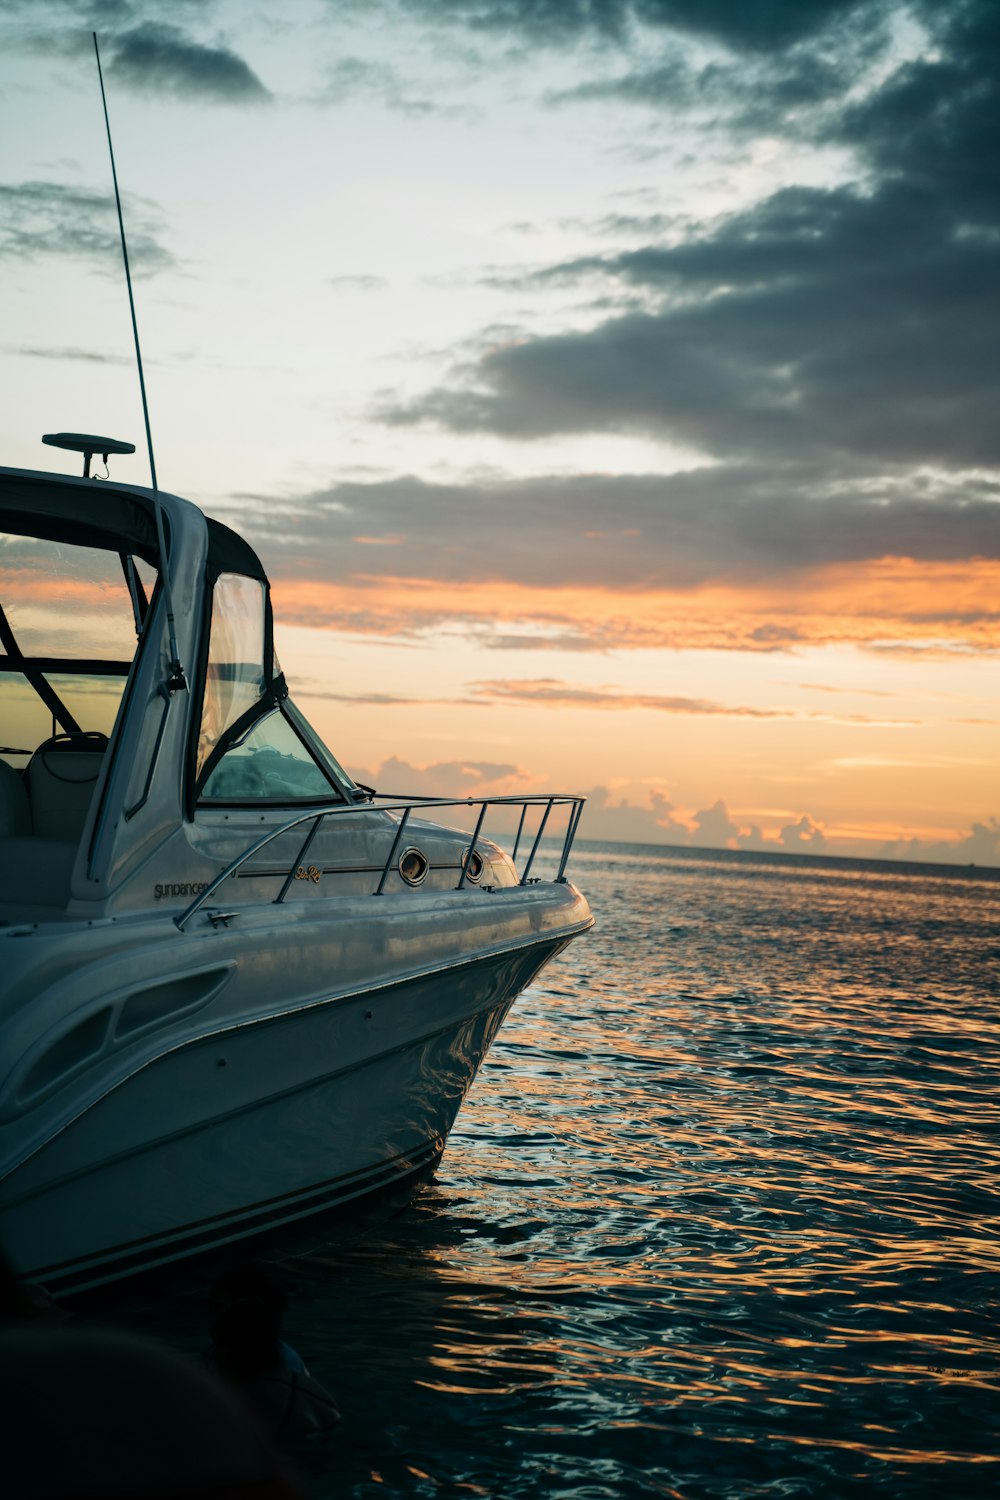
<point x="719" y="1219"/>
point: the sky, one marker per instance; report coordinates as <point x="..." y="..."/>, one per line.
<point x="610" y="387"/>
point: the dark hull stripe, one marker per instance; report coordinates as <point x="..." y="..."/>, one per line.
<point x="253" y="1218"/>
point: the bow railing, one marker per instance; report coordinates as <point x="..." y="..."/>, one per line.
<point x="403" y="807"/>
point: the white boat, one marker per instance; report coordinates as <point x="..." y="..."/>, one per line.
<point x="236" y="988"/>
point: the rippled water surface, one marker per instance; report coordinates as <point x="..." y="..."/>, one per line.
<point x="719" y="1218"/>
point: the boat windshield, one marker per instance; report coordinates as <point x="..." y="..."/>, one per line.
<point x="68" y="626"/>
<point x="253" y="746"/>
<point x="235" y="679"/>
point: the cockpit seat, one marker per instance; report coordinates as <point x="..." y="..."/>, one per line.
<point x="15" y="813"/>
<point x="42" y="815"/>
<point x="61" y="781"/>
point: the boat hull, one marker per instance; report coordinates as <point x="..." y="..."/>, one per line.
<point x="260" y="1124"/>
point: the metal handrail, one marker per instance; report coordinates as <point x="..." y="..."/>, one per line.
<point x="405" y="805"/>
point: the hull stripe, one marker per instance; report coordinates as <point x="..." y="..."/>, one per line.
<point x="204" y="1234"/>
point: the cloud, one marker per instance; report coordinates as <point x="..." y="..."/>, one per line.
<point x="617" y="817"/>
<point x="759" y="27"/>
<point x="713" y="828"/>
<point x="315" y="689"/>
<point x="847" y="327"/>
<point x="803" y="836"/>
<point x="980" y="846"/>
<point x="736" y="524"/>
<point x="42" y="219"/>
<point x="359" y="282"/>
<point x="160" y="57"/>
<point x="656" y="820"/>
<point x="351" y="78"/>
<point x="619" y="821"/>
<point x="87" y="356"/>
<point x="880" y="607"/>
<point x="781" y="91"/>
<point x="936" y="121"/>
<point x="822" y="324"/>
<point x="550" y="693"/>
<point x="374" y="700"/>
<point x="452" y="778"/>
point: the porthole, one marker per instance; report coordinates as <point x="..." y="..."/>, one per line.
<point x="474" y="869"/>
<point x="413" y="866"/>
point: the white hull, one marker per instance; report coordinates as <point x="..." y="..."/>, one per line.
<point x="258" y="1121"/>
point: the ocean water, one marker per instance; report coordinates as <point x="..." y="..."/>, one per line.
<point x="720" y="1217"/>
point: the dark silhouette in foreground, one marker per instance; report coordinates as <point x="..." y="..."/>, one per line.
<point x="249" y="1352"/>
<point x="92" y="1411"/>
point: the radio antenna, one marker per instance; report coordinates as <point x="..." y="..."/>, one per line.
<point x="176" y="679"/>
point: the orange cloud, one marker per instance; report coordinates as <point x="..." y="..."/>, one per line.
<point x="23" y="586"/>
<point x="548" y="692"/>
<point x="888" y="604"/>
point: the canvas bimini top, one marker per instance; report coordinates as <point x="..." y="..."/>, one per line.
<point x="85" y="672"/>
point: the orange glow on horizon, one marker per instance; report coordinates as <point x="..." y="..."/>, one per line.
<point x="891" y="603"/>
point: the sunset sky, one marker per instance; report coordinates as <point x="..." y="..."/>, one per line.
<point x="611" y="387"/>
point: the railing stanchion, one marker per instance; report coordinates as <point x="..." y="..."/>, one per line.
<point x="520" y="830"/>
<point x="571" y="827"/>
<point x="297" y="862"/>
<point x="469" y="852"/>
<point x="392" y="853"/>
<point x="538" y="840"/>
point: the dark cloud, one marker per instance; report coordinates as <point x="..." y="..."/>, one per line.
<point x="818" y="321"/>
<point x="936" y="121"/>
<point x="58" y="19"/>
<point x="764" y="94"/>
<point x="733" y="524"/>
<point x="759" y="26"/>
<point x="160" y="57"/>
<point x="40" y="219"/>
<point x="849" y="324"/>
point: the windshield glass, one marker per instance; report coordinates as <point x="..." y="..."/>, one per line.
<point x="270" y="763"/>
<point x="235" y="679"/>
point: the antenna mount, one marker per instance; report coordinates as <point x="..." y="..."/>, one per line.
<point x="88" y="444"/>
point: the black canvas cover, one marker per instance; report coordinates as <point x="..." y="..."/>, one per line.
<point x="81" y="512"/>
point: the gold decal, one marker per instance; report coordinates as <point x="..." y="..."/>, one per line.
<point x="310" y="873"/>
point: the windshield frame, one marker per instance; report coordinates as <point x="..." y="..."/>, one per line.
<point x="274" y="698"/>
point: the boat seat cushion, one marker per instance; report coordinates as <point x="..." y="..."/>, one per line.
<point x="36" y="872"/>
<point x="60" y="788"/>
<point x="15" y="814"/>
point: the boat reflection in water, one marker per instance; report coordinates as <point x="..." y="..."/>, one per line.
<point x="236" y="988"/>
